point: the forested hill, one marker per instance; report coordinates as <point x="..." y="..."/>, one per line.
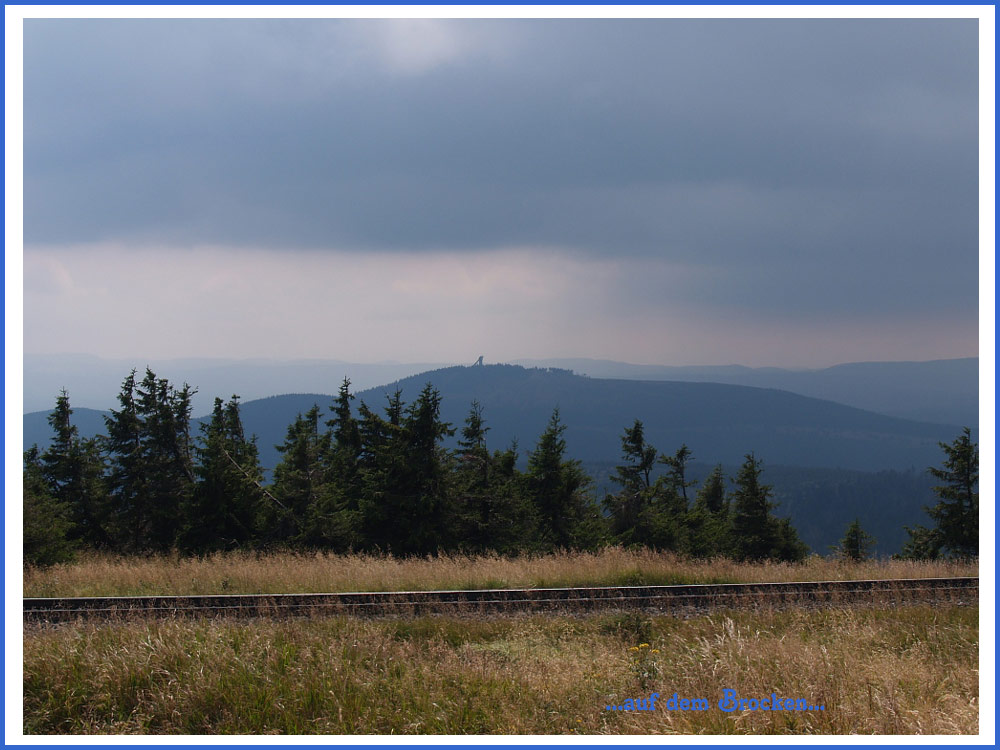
<point x="944" y="391"/>
<point x="720" y="423"/>
<point x="941" y="391"/>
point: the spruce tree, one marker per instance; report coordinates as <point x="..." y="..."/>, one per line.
<point x="756" y="534"/>
<point x="407" y="507"/>
<point x="73" y="470"/>
<point x="379" y="465"/>
<point x="956" y="514"/>
<point x="151" y="465"/>
<point x="300" y="479"/>
<point x="493" y="513"/>
<point x="634" y="477"/>
<point x="127" y="478"/>
<point x="712" y="495"/>
<point x="856" y="543"/>
<point x="474" y="500"/>
<point x="558" y="487"/>
<point x="513" y="520"/>
<point x="639" y="457"/>
<point x="46" y="523"/>
<point x="664" y="522"/>
<point x="472" y="444"/>
<point x="333" y="518"/>
<point x="347" y="446"/>
<point x="430" y="506"/>
<point x="708" y="519"/>
<point x="223" y="510"/>
<point x="677" y="471"/>
<point x="424" y="431"/>
<point x="167" y="452"/>
<point x="923" y="544"/>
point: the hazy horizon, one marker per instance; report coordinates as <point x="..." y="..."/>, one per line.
<point x="941" y="391"/>
<point x="467" y="362"/>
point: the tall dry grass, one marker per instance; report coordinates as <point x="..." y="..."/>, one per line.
<point x="239" y="573"/>
<point x="902" y="671"/>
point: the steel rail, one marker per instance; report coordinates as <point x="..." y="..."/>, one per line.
<point x="661" y="598"/>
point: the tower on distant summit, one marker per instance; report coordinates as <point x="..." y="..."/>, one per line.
<point x="479" y="361"/>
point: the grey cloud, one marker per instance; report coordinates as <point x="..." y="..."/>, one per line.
<point x="823" y="151"/>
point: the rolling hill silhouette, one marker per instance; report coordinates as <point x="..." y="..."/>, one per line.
<point x="720" y="423"/>
<point x="944" y="391"/>
<point x="829" y="463"/>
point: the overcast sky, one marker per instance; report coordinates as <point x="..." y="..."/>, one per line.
<point x="794" y="193"/>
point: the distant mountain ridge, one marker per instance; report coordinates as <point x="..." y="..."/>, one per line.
<point x="945" y="391"/>
<point x="94" y="382"/>
<point x="719" y="422"/>
<point x="821" y="452"/>
<point x="942" y="391"/>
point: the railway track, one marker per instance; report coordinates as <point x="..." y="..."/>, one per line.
<point x="696" y="598"/>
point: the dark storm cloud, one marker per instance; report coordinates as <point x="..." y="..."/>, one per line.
<point x="835" y="161"/>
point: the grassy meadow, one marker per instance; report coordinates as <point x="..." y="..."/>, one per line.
<point x="887" y="671"/>
<point x="250" y="573"/>
<point x="904" y="670"/>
